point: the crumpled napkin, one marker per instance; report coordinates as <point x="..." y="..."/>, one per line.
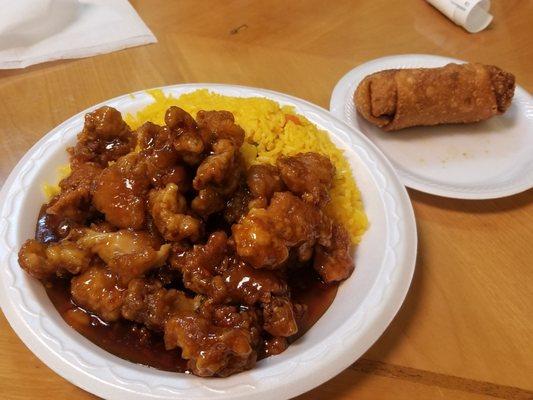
<point x="35" y="31"/>
<point x="473" y="15"/>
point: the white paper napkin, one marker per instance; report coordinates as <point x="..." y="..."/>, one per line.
<point x="473" y="15"/>
<point x="35" y="31"/>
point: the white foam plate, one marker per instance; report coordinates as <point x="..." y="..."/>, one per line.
<point x="484" y="160"/>
<point x="364" y="306"/>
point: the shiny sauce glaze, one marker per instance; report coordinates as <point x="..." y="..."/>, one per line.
<point x="134" y="342"/>
<point x="50" y="228"/>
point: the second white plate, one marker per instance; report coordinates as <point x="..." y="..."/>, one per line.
<point x="489" y="159"/>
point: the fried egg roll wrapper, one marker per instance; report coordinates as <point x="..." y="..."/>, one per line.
<point x="456" y="93"/>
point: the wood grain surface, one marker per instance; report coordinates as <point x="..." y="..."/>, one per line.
<point x="465" y="330"/>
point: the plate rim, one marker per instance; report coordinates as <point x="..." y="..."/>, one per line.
<point x="380" y="320"/>
<point x="338" y="100"/>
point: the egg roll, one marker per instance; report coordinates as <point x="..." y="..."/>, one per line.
<point x="456" y="93"/>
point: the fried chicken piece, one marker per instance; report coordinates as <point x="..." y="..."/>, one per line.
<point x="213" y="199"/>
<point x="211" y="350"/>
<point x="324" y="233"/>
<point x="257" y="242"/>
<point x="178" y="119"/>
<point x="166" y="275"/>
<point x="217" y="125"/>
<point x="105" y="137"/>
<point x="190" y="147"/>
<point x="294" y="220"/>
<point x="98" y="226"/>
<point x="237" y="205"/>
<point x="247" y="285"/>
<point x="234" y="178"/>
<point x="263" y="180"/>
<point x="81" y="176"/>
<point x="148" y="302"/>
<point x="43" y="261"/>
<point x="207" y="202"/>
<point x="160" y="157"/>
<point x="220" y="174"/>
<point x="264" y="236"/>
<point x="279" y="317"/>
<point x="309" y="175"/>
<point x="128" y="254"/>
<point x="217" y="178"/>
<point x="97" y="290"/>
<point x="74" y="201"/>
<point x="73" y="205"/>
<point x="120" y="190"/>
<point x="208" y="270"/>
<point x="273" y="345"/>
<point x="167" y="207"/>
<point x="199" y="264"/>
<point x="187" y="140"/>
<point x="334" y="262"/>
<point x="215" y="168"/>
<point x="246" y="318"/>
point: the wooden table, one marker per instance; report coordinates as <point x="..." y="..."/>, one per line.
<point x="465" y="330"/>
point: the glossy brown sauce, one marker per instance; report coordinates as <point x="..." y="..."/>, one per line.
<point x="50" y="228"/>
<point x="316" y="295"/>
<point x="135" y="343"/>
<point x="122" y="338"/>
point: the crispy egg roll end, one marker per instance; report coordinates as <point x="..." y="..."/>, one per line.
<point x="364" y="103"/>
<point x="503" y="84"/>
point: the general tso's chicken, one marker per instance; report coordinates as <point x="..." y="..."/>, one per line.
<point x="82" y="176"/>
<point x="217" y="178"/>
<point x="179" y="120"/>
<point x="237" y="205"/>
<point x="74" y="200"/>
<point x="257" y="241"/>
<point x="207" y="202"/>
<point x="309" y="175"/>
<point x="208" y="270"/>
<point x="105" y="137"/>
<point x="43" y="261"/>
<point x="216" y="167"/>
<point x="140" y="230"/>
<point x="168" y="208"/>
<point x="263" y="180"/>
<point x="98" y="291"/>
<point x="199" y="265"/>
<point x="120" y="192"/>
<point x="73" y="205"/>
<point x="230" y="316"/>
<point x="217" y="125"/>
<point x="128" y="254"/>
<point x="148" y="302"/>
<point x="272" y="346"/>
<point x="219" y="174"/>
<point x="187" y="140"/>
<point x="334" y="262"/>
<point x="279" y="317"/>
<point x="211" y="350"/>
<point x="247" y="285"/>
<point x="160" y="157"/>
<point x="264" y="236"/>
